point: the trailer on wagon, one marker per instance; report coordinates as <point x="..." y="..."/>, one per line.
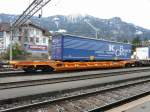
<point x="70" y="52"/>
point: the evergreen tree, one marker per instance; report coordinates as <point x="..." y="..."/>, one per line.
<point x="17" y="52"/>
<point x="136" y="41"/>
<point x="125" y="41"/>
<point x="145" y="42"/>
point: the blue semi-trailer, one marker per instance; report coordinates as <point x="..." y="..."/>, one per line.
<point x="77" y="48"/>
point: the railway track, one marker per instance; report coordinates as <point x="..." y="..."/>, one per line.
<point x="33" y="81"/>
<point x="15" y="73"/>
<point x="86" y="99"/>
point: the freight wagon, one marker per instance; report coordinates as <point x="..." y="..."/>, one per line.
<point x="142" y="56"/>
<point x="70" y="52"/>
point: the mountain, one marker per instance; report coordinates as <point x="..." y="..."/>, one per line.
<point x="111" y="29"/>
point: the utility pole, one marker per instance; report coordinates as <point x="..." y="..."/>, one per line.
<point x="32" y="9"/>
<point x="11" y="38"/>
<point x="94" y="28"/>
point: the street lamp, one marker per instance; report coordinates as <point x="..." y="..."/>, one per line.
<point x="94" y="28"/>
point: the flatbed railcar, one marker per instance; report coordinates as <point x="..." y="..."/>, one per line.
<point x="69" y="52"/>
<point x="47" y="66"/>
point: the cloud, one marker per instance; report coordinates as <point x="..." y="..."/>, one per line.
<point x="132" y="11"/>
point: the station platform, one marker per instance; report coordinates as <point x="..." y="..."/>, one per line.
<point x="145" y="107"/>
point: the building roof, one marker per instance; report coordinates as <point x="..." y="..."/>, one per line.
<point x="45" y="31"/>
<point x="6" y="27"/>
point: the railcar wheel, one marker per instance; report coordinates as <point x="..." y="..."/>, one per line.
<point x="47" y="69"/>
<point x="29" y="69"/>
<point x="128" y="65"/>
<point x="138" y="64"/>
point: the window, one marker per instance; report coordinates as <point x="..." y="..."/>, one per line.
<point x="32" y="32"/>
<point x="26" y="39"/>
<point x="37" y="40"/>
<point x="31" y="39"/>
<point x="26" y="32"/>
<point x="37" y="32"/>
<point x="1" y="34"/>
<point x="44" y="40"/>
<point x="19" y="38"/>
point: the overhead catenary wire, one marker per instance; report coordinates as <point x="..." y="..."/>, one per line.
<point x="36" y="11"/>
<point x="19" y="18"/>
<point x="33" y="8"/>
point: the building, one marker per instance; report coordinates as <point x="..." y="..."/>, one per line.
<point x="31" y="38"/>
<point x="4" y="36"/>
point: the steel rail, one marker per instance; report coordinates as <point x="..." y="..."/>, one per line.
<point x="120" y="102"/>
<point x="26" y="83"/>
<point x="18" y="108"/>
<point x="22" y="73"/>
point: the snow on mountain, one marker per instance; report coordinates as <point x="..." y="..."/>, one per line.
<point x="113" y="28"/>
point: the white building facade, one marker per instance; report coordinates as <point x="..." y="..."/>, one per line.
<point x="34" y="39"/>
<point x="31" y="38"/>
<point x="4" y="37"/>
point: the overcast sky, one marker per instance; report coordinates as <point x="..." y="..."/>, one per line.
<point x="132" y="11"/>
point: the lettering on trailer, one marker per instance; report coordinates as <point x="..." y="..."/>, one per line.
<point x="56" y="41"/>
<point x="119" y="51"/>
<point x="56" y="47"/>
